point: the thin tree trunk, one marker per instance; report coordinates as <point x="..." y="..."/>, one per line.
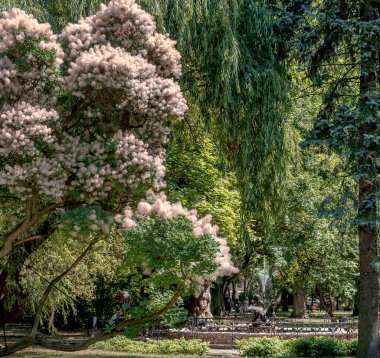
<point x="368" y="345"/>
<point x="217" y="299"/>
<point x="327" y="307"/>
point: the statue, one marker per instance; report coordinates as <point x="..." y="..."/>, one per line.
<point x="203" y="302"/>
<point x="271" y="310"/>
<point x="259" y="312"/>
<point x="199" y="307"/>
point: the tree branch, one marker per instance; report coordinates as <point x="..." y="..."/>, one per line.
<point x="32" y="238"/>
<point x="29" y="221"/>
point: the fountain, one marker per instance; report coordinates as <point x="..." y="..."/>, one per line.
<point x="261" y="315"/>
<point x="263" y="278"/>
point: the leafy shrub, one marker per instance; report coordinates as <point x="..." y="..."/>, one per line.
<point x="307" y="346"/>
<point x="262" y="347"/>
<point x="173" y="346"/>
<point x="322" y="347"/>
<point x="349" y="347"/>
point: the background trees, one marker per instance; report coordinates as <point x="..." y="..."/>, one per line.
<point x="340" y="50"/>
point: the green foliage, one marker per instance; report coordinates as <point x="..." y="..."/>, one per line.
<point x="310" y="247"/>
<point x="168" y="248"/>
<point x="262" y="347"/>
<point x="197" y="178"/>
<point x="179" y="346"/>
<point x="322" y="347"/>
<point x="303" y="347"/>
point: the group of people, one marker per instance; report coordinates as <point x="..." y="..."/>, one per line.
<point x="254" y="306"/>
<point x="236" y="307"/>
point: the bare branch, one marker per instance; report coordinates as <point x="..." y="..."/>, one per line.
<point x="32" y="238"/>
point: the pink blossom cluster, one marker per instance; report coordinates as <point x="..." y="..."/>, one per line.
<point x="22" y="125"/>
<point x="122" y="23"/>
<point x="160" y="52"/>
<point x="10" y="83"/>
<point x="157" y="204"/>
<point x="133" y="79"/>
<point x="155" y="135"/>
<point x="118" y="50"/>
<point x="42" y="177"/>
<point x="12" y="22"/>
<point x="106" y="66"/>
<point x="94" y="223"/>
<point x="97" y="223"/>
<point x="126" y="219"/>
<point x="16" y="27"/>
<point x="115" y="54"/>
<point x="83" y="168"/>
<point x="89" y="165"/>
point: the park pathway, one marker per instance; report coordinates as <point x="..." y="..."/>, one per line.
<point x="224" y="352"/>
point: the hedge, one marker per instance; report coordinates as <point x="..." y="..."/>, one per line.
<point x="121" y="343"/>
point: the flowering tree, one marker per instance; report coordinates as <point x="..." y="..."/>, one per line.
<point x="83" y="127"/>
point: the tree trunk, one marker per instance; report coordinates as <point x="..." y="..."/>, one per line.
<point x="285" y="301"/>
<point x="369" y="295"/>
<point x="299" y="301"/>
<point x="11" y="272"/>
<point x="368" y="345"/>
<point x="327" y="306"/>
<point x="217" y="299"/>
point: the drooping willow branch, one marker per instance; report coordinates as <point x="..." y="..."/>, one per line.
<point x="52" y="284"/>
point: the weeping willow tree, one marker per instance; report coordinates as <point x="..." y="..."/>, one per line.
<point x="57" y="13"/>
<point x="234" y="70"/>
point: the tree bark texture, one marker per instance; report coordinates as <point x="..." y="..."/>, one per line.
<point x="368" y="346"/>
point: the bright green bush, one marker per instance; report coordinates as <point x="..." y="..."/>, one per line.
<point x="173" y="346"/>
<point x="349" y="347"/>
<point x="299" y="347"/>
<point x="262" y="347"/>
<point x="322" y="347"/>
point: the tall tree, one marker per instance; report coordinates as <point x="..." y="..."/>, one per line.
<point x="339" y="45"/>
